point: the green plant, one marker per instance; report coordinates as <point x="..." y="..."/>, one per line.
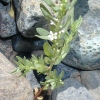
<point x="63" y="29"/>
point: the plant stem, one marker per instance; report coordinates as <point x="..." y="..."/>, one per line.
<point x="38" y="93"/>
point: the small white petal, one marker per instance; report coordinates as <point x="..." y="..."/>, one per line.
<point x="56" y="19"/>
<point x="55" y="37"/>
<point x="52" y="23"/>
<point x="62" y="31"/>
<point x="51" y="33"/>
<point x="55" y="33"/>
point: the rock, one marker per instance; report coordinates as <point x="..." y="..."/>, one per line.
<point x="29" y="16"/>
<point x="5" y="1"/>
<point x="71" y="90"/>
<point x="81" y="8"/>
<point x="68" y="71"/>
<point x="32" y="80"/>
<point x="85" y="50"/>
<point x="12" y="87"/>
<point x="91" y="80"/>
<point x="22" y="44"/>
<point x="7" y="23"/>
<point x="17" y="7"/>
<point x="7" y="7"/>
<point x="94" y="4"/>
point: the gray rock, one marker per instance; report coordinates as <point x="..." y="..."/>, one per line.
<point x="71" y="90"/>
<point x="7" y="23"/>
<point x="7" y="7"/>
<point x="68" y="71"/>
<point x="22" y="44"/>
<point x="94" y="4"/>
<point x="32" y="80"/>
<point x="29" y="16"/>
<point x="85" y="50"/>
<point x="12" y="87"/>
<point x="91" y="80"/>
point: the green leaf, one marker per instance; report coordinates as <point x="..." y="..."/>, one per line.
<point x="20" y="59"/>
<point x="47" y="49"/>
<point x="67" y="24"/>
<point x="47" y="15"/>
<point x="50" y="80"/>
<point x="47" y="60"/>
<point x="76" y="24"/>
<point x="72" y="4"/>
<point x="49" y="2"/>
<point x="58" y="61"/>
<point x="54" y="73"/>
<point x="56" y="8"/>
<point x="79" y="21"/>
<point x="42" y="6"/>
<point x="42" y="31"/>
<point x="46" y="86"/>
<point x="65" y="51"/>
<point x="61" y="74"/>
<point x="53" y="86"/>
<point x="43" y="37"/>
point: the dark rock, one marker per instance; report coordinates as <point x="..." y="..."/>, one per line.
<point x="85" y="50"/>
<point x="71" y="90"/>
<point x="91" y="80"/>
<point x="7" y="7"/>
<point x="68" y="71"/>
<point x="81" y="8"/>
<point x="40" y="77"/>
<point x="11" y="86"/>
<point x="29" y="16"/>
<point x="17" y="8"/>
<point x="7" y="23"/>
<point x="22" y="44"/>
<point x="5" y="1"/>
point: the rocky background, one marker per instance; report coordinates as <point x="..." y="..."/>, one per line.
<point x="81" y="65"/>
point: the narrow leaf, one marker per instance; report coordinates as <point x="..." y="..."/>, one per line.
<point x="42" y="37"/>
<point x="42" y="31"/>
<point x="47" y="15"/>
<point x="49" y="2"/>
<point x="43" y="7"/>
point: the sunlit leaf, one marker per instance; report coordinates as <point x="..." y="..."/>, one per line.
<point x="47" y="49"/>
<point x="42" y="31"/>
<point x="42" y="37"/>
<point x="49" y="2"/>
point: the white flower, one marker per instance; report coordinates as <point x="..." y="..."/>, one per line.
<point x="52" y="23"/>
<point x="62" y="31"/>
<point x="52" y="35"/>
<point x="56" y="19"/>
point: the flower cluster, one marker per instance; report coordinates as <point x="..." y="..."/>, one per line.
<point x="52" y="36"/>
